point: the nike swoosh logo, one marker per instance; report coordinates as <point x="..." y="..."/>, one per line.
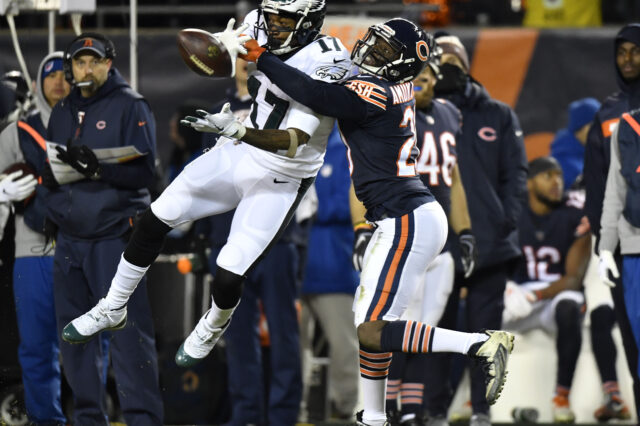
<point x="141" y="123"/>
<point x="275" y="180"/>
<point x="337" y="62"/>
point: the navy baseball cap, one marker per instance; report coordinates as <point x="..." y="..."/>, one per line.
<point x="541" y="165"/>
<point x="88" y="45"/>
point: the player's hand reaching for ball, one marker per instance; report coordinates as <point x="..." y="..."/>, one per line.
<point x="233" y="41"/>
<point x="224" y="123"/>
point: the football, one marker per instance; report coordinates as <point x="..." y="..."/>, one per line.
<point x="204" y="53"/>
<point x="26" y="170"/>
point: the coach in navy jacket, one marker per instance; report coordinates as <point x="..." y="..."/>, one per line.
<point x="93" y="216"/>
<point x="597" y="155"/>
<point x="493" y="167"/>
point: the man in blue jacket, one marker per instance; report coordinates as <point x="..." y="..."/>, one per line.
<point x="493" y="166"/>
<point x="597" y="156"/>
<point x="94" y="216"/>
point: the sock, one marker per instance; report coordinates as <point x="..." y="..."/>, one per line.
<point x="562" y="391"/>
<point x="374" y="369"/>
<point x="611" y="387"/>
<point x="217" y="317"/>
<point x="124" y="283"/>
<point x="411" y="398"/>
<point x="417" y="337"/>
<point x="393" y="390"/>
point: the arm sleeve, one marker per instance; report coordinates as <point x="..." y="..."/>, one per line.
<point x="513" y="171"/>
<point x="595" y="175"/>
<point x="139" y="130"/>
<point x="614" y="198"/>
<point x="332" y="100"/>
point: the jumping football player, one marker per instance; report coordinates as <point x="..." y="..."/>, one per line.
<point x="263" y="179"/>
<point x="376" y="117"/>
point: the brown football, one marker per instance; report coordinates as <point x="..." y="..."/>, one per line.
<point x="203" y="53"/>
<point x="26" y="170"/>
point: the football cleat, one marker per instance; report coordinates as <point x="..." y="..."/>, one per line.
<point x="561" y="410"/>
<point x="613" y="408"/>
<point x="480" y="419"/>
<point x="99" y="318"/>
<point x="360" y="422"/>
<point x="438" y="420"/>
<point x="199" y="343"/>
<point x="463" y="414"/>
<point x="493" y="354"/>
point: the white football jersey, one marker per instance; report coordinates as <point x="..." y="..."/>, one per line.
<point x="324" y="59"/>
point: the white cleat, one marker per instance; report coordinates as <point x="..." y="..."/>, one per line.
<point x="493" y="354"/>
<point x="199" y="343"/>
<point x="99" y="318"/>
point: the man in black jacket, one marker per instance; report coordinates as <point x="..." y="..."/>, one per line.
<point x="493" y="167"/>
<point x="597" y="156"/>
<point x="94" y="215"/>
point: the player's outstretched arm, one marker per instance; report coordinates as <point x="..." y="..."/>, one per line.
<point x="333" y="100"/>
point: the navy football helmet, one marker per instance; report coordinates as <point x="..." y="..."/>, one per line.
<point x="396" y="50"/>
<point x="308" y="16"/>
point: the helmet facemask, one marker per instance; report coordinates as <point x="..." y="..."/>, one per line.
<point x="306" y="23"/>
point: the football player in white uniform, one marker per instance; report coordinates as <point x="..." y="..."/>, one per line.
<point x="263" y="178"/>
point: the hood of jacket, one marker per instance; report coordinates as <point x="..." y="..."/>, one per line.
<point x="41" y="101"/>
<point x="114" y="82"/>
<point x="630" y="32"/>
<point x="474" y="93"/>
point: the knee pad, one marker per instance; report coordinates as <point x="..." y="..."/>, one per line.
<point x="147" y="240"/>
<point x="226" y="288"/>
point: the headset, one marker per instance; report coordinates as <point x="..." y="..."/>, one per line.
<point x="109" y="48"/>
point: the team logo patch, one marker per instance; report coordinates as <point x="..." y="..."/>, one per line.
<point x="49" y="66"/>
<point x="331" y="72"/>
<point x="488" y="134"/>
<point x="101" y="124"/>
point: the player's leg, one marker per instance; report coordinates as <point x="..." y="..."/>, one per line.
<point x="604" y="350"/>
<point x="563" y="315"/>
<point x="394" y="265"/>
<point x="205" y="187"/>
<point x="266" y="207"/>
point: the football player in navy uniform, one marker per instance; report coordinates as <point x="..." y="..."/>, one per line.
<point x="438" y="125"/>
<point x="546" y="291"/>
<point x="376" y="117"/>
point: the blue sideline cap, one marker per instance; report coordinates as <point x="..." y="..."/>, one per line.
<point x="52" y="65"/>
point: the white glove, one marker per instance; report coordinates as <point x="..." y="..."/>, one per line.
<point x="14" y="189"/>
<point x="518" y="302"/>
<point x="607" y="264"/>
<point x="233" y="41"/>
<point x="224" y="123"/>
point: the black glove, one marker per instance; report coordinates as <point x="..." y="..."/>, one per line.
<point x="48" y="180"/>
<point x="360" y="241"/>
<point x="80" y="158"/>
<point x="468" y="250"/>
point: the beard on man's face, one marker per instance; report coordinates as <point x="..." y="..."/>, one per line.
<point x="549" y="202"/>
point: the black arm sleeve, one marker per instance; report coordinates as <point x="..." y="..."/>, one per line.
<point x="332" y="100"/>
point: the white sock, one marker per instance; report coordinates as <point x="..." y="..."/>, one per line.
<point x="124" y="283"/>
<point x="218" y="317"/>
<point x="455" y="341"/>
<point x="374" y="399"/>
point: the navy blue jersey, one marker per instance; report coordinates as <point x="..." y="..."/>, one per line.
<point x="377" y="122"/>
<point x="546" y="240"/>
<point x="437" y="130"/>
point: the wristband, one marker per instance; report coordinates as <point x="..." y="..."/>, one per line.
<point x="293" y="143"/>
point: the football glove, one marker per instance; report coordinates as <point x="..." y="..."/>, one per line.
<point x="16" y="188"/>
<point x="469" y="252"/>
<point x="224" y="123"/>
<point x="254" y="50"/>
<point x="518" y="302"/>
<point x="362" y="235"/>
<point x="233" y="41"/>
<point x="607" y="265"/>
<point x="81" y="158"/>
